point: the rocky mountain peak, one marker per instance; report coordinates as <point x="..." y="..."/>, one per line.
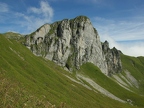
<point x="105" y="46"/>
<point x="81" y="19"/>
<point x="112" y="57"/>
<point x="70" y="43"/>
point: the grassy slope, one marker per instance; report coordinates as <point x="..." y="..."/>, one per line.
<point x="135" y="65"/>
<point x="94" y="73"/>
<point x="30" y="81"/>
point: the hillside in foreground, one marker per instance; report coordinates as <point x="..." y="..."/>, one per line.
<point x="31" y="81"/>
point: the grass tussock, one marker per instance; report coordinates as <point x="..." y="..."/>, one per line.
<point x="13" y="95"/>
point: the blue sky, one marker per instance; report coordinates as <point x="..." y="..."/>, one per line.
<point x="121" y="22"/>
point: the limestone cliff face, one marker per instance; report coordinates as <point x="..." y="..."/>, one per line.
<point x="69" y="43"/>
<point x="113" y="59"/>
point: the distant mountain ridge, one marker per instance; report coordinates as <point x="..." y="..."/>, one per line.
<point x="71" y="43"/>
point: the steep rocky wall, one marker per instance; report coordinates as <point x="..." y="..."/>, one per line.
<point x="70" y="43"/>
<point x="113" y="59"/>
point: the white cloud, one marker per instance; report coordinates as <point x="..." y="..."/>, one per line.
<point x="29" y="20"/>
<point x="111" y="41"/>
<point x="36" y="16"/>
<point x="121" y="30"/>
<point x="45" y="10"/>
<point x="4" y="7"/>
<point x="131" y="48"/>
<point x="123" y="35"/>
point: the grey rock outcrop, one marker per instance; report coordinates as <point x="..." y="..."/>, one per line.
<point x="113" y="59"/>
<point x="69" y="43"/>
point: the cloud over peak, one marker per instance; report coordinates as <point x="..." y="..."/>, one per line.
<point x="45" y="10"/>
<point x="36" y="16"/>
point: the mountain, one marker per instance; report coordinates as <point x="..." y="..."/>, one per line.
<point x="64" y="65"/>
<point x="71" y="43"/>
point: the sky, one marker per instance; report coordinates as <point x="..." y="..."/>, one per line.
<point x="120" y="22"/>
